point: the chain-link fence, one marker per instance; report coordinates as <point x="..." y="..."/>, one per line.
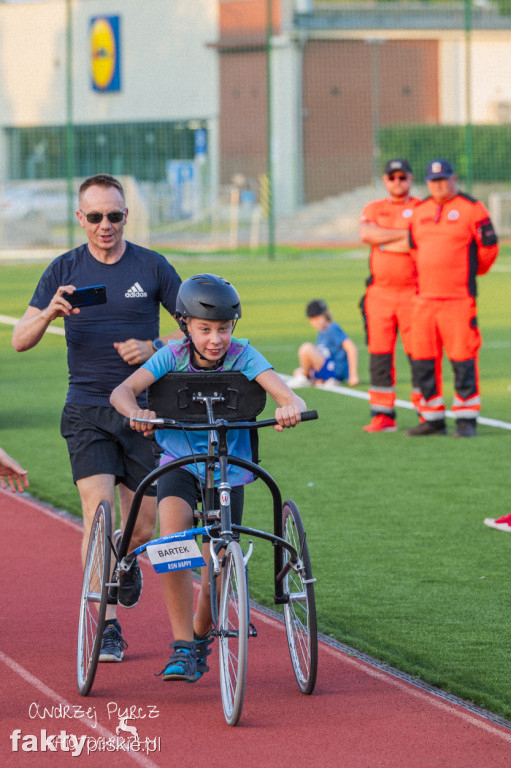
<point x="311" y="99"/>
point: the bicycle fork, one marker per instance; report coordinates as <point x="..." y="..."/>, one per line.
<point x="218" y="564"/>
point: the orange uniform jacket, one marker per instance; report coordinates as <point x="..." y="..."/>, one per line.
<point x="452" y="244"/>
<point x="388" y="268"/>
<point x="388" y="302"/>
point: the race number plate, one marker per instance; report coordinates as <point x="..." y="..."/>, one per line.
<point x="177" y="555"/>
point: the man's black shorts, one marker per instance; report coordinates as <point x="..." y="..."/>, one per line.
<point x="99" y="443"/>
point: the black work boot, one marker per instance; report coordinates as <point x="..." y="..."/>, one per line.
<point x="428" y="428"/>
<point x="465" y="428"/>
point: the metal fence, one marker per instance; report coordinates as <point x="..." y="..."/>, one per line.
<point x="311" y="104"/>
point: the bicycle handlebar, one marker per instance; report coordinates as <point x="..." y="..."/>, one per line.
<point x="160" y="423"/>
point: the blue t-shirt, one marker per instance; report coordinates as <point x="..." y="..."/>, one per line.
<point x="176" y="357"/>
<point x="330" y="343"/>
<point x="136" y="285"/>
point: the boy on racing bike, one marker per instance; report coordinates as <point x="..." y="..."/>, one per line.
<point x="207" y="309"/>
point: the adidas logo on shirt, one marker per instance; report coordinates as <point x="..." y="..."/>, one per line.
<point x="136" y="292"/>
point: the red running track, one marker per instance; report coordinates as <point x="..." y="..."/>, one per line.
<point x="358" y="717"/>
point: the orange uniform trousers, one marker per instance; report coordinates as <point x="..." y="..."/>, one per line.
<point x="451" y="324"/>
<point x="388" y="310"/>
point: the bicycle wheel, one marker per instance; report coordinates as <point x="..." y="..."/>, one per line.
<point x="233" y="633"/>
<point x="96" y="576"/>
<point x="300" y="610"/>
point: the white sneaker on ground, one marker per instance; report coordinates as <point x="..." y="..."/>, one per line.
<point x="331" y="384"/>
<point x="298" y="381"/>
<point x="500" y="523"/>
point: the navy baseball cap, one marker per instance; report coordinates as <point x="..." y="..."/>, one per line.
<point x="439" y="169"/>
<point x="315" y="308"/>
<point x="397" y="164"/>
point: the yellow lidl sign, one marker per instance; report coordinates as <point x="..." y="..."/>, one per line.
<point x="105" y="59"/>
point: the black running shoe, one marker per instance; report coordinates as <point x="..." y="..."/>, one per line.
<point x="130" y="582"/>
<point x="130" y="586"/>
<point x="112" y="643"/>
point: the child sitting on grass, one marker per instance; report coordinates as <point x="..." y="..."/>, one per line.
<point x="332" y="359"/>
<point x="207" y="308"/>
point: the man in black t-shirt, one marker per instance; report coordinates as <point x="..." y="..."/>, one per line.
<point x="105" y="343"/>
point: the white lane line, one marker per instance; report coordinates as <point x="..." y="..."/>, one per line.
<point x="340" y="390"/>
<point x="13" y="320"/>
<point x="459" y="710"/>
<point x="29" y="678"/>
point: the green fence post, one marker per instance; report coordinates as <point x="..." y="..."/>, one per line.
<point x="269" y="131"/>
<point x="468" y="95"/>
<point x="70" y="170"/>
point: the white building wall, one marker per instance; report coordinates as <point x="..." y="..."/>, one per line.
<point x="491" y="81"/>
<point x="168" y="71"/>
<point x="490" y="65"/>
<point x="32" y="63"/>
<point x="286" y="124"/>
<point x="452" y="82"/>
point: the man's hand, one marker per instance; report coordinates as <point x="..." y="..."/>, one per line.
<point x="58" y="306"/>
<point x="372" y="234"/>
<point x="30" y="329"/>
<point x="11" y="473"/>
<point x="134" y="351"/>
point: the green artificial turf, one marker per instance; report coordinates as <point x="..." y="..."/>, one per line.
<point x="406" y="571"/>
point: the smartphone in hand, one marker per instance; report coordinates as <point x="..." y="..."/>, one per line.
<point x="86" y="297"/>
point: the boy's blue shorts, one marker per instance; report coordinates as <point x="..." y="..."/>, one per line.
<point x="329" y="370"/>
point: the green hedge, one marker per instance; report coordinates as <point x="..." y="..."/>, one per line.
<point x="491" y="155"/>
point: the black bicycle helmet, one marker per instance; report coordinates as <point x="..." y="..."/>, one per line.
<point x="208" y="297"/>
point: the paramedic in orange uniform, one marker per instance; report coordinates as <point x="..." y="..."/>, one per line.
<point x="391" y="287"/>
<point x="453" y="241"/>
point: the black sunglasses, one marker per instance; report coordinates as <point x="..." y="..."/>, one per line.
<point x="114" y="217"/>
<point x="393" y="177"/>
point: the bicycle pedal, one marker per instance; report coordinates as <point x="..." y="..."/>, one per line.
<point x="252" y="632"/>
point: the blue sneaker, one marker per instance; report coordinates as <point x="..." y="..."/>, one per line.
<point x="203" y="651"/>
<point x="112" y="643"/>
<point x="182" y="665"/>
